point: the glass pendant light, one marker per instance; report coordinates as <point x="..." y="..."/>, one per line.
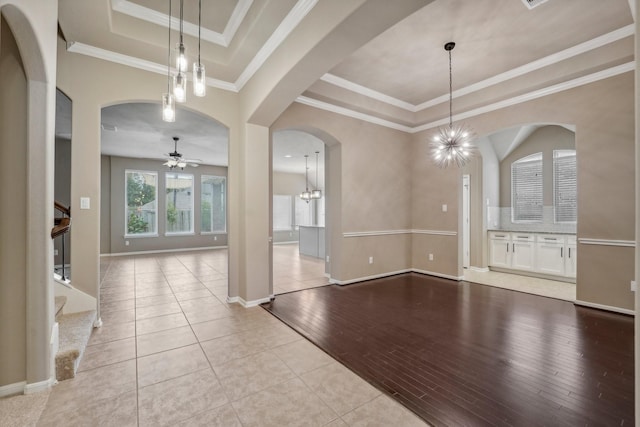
<point x="180" y="79"/>
<point x="168" y="100"/>
<point x="316" y="194"/>
<point x="199" y="79"/>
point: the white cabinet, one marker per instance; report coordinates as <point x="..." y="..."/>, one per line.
<point x="548" y="254"/>
<point x="522" y="251"/>
<point x="550" y="251"/>
<point x="570" y="266"/>
<point x="511" y="250"/>
<point x="499" y="254"/>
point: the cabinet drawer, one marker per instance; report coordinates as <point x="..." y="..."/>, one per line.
<point x="522" y="237"/>
<point x="499" y="235"/>
<point x="551" y="239"/>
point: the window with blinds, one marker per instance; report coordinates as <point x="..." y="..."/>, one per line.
<point x="565" y="180"/>
<point x="282" y="209"/>
<point x="526" y="189"/>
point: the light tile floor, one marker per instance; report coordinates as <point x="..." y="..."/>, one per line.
<point x="531" y="285"/>
<point x="173" y="352"/>
<point x="293" y="272"/>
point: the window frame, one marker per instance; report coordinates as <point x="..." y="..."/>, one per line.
<point x="192" y="207"/>
<point x="224" y="230"/>
<point x="515" y="212"/>
<point x="555" y="185"/>
<point x="126" y="204"/>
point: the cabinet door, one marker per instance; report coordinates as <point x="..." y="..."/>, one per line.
<point x="570" y="266"/>
<point x="499" y="255"/>
<point x="550" y="257"/>
<point x="522" y="255"/>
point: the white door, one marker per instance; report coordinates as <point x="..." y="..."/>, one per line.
<point x="466" y="213"/>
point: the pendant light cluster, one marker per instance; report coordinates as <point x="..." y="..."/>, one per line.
<point x="177" y="85"/>
<point x="307" y="195"/>
<point x="452" y="144"/>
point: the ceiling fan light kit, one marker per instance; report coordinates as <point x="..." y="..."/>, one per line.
<point x="452" y="144"/>
<point x="176" y="160"/>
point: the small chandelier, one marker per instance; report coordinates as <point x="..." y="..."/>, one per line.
<point x="452" y="144"/>
<point x="306" y="194"/>
<point x="168" y="100"/>
<point x="316" y="194"/>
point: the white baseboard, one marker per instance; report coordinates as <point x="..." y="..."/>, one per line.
<point x="162" y="251"/>
<point x="248" y="304"/>
<point x="479" y="269"/>
<point x="12" y="389"/>
<point x="605" y="307"/>
<point x="362" y="279"/>
<point x="39" y="386"/>
<point x="288" y="242"/>
<point x="433" y="273"/>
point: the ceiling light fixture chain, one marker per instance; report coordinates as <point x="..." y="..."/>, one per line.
<point x="452" y="144"/>
<point x="306" y="194"/>
<point x="168" y="100"/>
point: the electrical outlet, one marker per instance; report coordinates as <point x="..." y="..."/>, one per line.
<point x="430" y="257"/>
<point x="126" y="243"/>
<point x="444" y="208"/>
<point x="55" y="252"/>
<point x="370" y="260"/>
<point x="328" y="258"/>
<point x="634" y="287"/>
<point x="215" y="237"/>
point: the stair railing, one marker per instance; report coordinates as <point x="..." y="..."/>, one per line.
<point x="61" y="227"/>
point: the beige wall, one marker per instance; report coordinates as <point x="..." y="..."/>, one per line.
<point x="116" y="216"/>
<point x="368" y="178"/>
<point x="604" y="118"/>
<point x="78" y="75"/>
<point x="544" y="140"/>
<point x="13" y="210"/>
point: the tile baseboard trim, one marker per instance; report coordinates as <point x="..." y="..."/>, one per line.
<point x="606" y="242"/>
<point x="605" y="307"/>
<point x="248" y="304"/>
<point x="480" y="269"/>
<point x="11" y="389"/>
<point x="39" y="386"/>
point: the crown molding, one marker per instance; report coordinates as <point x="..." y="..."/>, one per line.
<point x="570" y="84"/>
<point x="351" y="113"/>
<point x="288" y="24"/>
<point x="571" y="52"/>
<point x="141" y="64"/>
<point x="144" y="13"/>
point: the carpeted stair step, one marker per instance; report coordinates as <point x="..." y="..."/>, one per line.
<point x="60" y="302"/>
<point x="74" y="333"/>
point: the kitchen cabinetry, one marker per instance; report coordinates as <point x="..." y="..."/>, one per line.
<point x="548" y="254"/>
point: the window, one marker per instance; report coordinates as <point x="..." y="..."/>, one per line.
<point x="282" y="213"/>
<point x="213" y="212"/>
<point x="565" y="200"/>
<point x="179" y="203"/>
<point x="142" y="203"/>
<point x="526" y="189"/>
<point x="303" y="212"/>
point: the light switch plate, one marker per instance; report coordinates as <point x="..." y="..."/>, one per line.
<point x="85" y="203"/>
<point x="444" y="208"/>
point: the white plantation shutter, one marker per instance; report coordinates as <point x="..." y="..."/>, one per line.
<point x="526" y="189"/>
<point x="565" y="180"/>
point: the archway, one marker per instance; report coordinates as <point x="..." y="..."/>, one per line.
<point x="164" y="191"/>
<point x="303" y="228"/>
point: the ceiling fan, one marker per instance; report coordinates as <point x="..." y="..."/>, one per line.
<point x="176" y="160"/>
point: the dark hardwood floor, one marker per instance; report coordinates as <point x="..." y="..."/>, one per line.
<point x="463" y="354"/>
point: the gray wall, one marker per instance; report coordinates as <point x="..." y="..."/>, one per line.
<point x="13" y="210"/>
<point x="114" y="213"/>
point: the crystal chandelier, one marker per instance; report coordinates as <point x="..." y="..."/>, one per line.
<point x="452" y="144"/>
